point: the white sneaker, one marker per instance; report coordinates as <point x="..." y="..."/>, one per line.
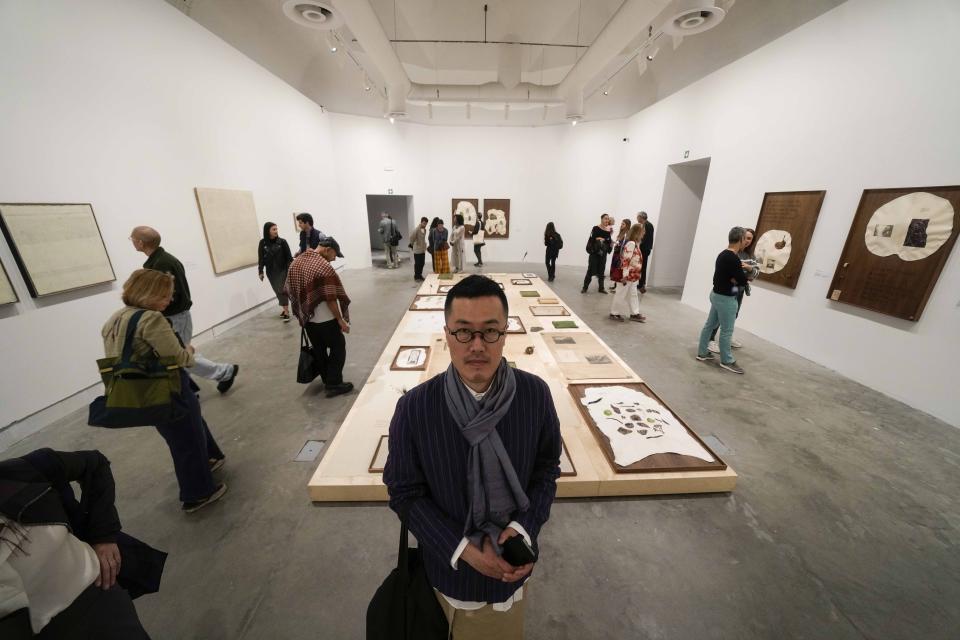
<point x="713" y="347"/>
<point x="735" y="344"/>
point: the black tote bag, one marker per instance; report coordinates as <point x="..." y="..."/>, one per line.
<point x="404" y="606"/>
<point x="307" y="368"/>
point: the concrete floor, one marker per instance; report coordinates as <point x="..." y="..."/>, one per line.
<point x="844" y="523"/>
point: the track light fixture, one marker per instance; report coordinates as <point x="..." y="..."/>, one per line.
<point x="332" y="43"/>
<point x="652" y="53"/>
<point x="392" y="120"/>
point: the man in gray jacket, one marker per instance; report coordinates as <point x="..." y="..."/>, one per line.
<point x="387" y="231"/>
<point x="418" y="244"/>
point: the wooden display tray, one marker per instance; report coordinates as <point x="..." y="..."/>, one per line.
<point x="426" y="361"/>
<point x="413" y="306"/>
<point x="659" y="462"/>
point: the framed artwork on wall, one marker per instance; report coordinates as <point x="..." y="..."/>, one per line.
<point x="898" y="243"/>
<point x="783" y="234"/>
<point x="467" y="207"/>
<point x="496" y="217"/>
<point x="638" y="433"/>
<point x="7" y="293"/>
<point x="230" y="227"/>
<point x="57" y="247"/>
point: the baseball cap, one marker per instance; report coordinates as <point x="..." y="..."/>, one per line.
<point x="333" y="244"/>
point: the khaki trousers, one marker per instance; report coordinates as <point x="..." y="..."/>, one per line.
<point x="485" y="623"/>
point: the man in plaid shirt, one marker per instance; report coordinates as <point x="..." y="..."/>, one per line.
<point x="320" y="303"/>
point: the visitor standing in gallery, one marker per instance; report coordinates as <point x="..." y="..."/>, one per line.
<point x="389" y="234"/>
<point x="456" y="243"/>
<point x="599" y="244"/>
<point x="474" y="455"/>
<point x="478" y="239"/>
<point x="320" y="303"/>
<point x="147" y="241"/>
<point x="752" y="270"/>
<point x="553" y="242"/>
<point x="195" y="453"/>
<point x="646" y="248"/>
<point x="439" y="246"/>
<point x="617" y="248"/>
<point x="418" y="244"/>
<point x="625" y="300"/>
<point x="60" y="560"/>
<point x="274" y="257"/>
<point x="310" y="237"/>
<point x="728" y="280"/>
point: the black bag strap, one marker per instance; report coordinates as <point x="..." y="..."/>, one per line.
<point x="304" y="339"/>
<point x="127" y="353"/>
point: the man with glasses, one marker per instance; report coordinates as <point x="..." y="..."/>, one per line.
<point x="474" y="458"/>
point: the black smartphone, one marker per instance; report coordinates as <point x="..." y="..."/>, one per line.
<point x="517" y="552"/>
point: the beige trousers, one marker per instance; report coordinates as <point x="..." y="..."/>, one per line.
<point x="485" y="623"/>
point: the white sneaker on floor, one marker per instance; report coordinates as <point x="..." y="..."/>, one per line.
<point x="713" y="347"/>
<point x="735" y="344"/>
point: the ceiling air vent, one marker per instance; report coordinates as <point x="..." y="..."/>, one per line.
<point x="690" y="17"/>
<point x="313" y="14"/>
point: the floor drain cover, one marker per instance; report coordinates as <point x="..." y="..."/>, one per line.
<point x="311" y="449"/>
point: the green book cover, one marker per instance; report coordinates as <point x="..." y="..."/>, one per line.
<point x="564" y="324"/>
<point x="445" y="276"/>
<point x="530" y="294"/>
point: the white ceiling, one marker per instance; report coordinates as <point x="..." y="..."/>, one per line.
<point x="559" y="30"/>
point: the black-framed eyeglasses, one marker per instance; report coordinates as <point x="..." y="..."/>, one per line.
<point x="465" y="335"/>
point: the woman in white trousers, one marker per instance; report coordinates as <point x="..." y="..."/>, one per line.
<point x="625" y="300"/>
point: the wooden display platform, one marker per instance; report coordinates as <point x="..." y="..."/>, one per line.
<point x="344" y="475"/>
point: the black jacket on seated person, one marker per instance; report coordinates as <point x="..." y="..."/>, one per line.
<point x="35" y="490"/>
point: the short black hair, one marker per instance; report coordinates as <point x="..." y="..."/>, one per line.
<point x="475" y="287"/>
<point x="424" y="219"/>
<point x="305" y="217"/>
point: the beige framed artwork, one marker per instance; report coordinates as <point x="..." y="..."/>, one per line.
<point x="515" y="325"/>
<point x="230" y="226"/>
<point x="57" y="247"/>
<point x="548" y="310"/>
<point x="428" y="303"/>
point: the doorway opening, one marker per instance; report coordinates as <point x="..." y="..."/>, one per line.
<point x="400" y="208"/>
<point x="683" y="191"/>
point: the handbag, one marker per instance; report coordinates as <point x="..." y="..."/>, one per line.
<point x="404" y="607"/>
<point x="137" y="394"/>
<point x="307" y="368"/>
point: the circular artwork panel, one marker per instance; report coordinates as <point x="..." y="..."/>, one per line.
<point x="469" y="213"/>
<point x="773" y="250"/>
<point x="910" y="227"/>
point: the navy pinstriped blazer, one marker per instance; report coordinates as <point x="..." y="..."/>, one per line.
<point x="426" y="471"/>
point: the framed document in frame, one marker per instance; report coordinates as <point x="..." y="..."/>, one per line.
<point x="7" y="294"/>
<point x="57" y="247"/>
<point x="411" y="358"/>
<point x="467" y="207"/>
<point x="783" y="234"/>
<point x="898" y="243"/>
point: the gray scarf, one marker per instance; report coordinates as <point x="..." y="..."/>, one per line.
<point x="494" y="491"/>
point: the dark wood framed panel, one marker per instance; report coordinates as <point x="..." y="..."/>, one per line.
<point x="783" y="233"/>
<point x="898" y="243"/>
<point x="496" y="218"/>
<point x="659" y="461"/>
<point x="410" y="358"/>
<point x="57" y="247"/>
<point x="515" y="325"/>
<point x="567" y="467"/>
<point x="379" y="459"/>
<point x="468" y="208"/>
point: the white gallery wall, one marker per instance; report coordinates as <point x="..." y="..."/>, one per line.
<point x="865" y="96"/>
<point x="129" y="105"/>
<point x="567" y="174"/>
